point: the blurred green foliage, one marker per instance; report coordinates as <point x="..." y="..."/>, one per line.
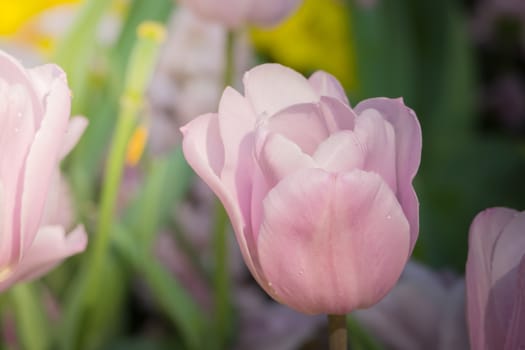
<point x="420" y="50"/>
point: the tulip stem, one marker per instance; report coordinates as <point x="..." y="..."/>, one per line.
<point x="229" y="59"/>
<point x="338" y="333"/>
<point x="221" y="278"/>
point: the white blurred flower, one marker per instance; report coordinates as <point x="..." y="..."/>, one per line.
<point x="189" y="77"/>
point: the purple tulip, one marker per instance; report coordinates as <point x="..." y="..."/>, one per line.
<point x="496" y="280"/>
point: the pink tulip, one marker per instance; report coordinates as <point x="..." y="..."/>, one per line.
<point x="495" y="278"/>
<point x="237" y="13"/>
<point x="319" y="194"/>
<point x="35" y="134"/>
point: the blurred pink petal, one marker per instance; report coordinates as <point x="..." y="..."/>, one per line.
<point x="50" y="246"/>
<point x="34" y="117"/>
<point x="75" y="129"/>
<point x="237" y="13"/>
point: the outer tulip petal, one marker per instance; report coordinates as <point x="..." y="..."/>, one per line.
<point x="50" y="246"/>
<point x="343" y="151"/>
<point x="515" y="336"/>
<point x="506" y="256"/>
<point x="17" y="130"/>
<point x="309" y="127"/>
<point x="14" y="74"/>
<point x="272" y="87"/>
<point x="325" y="84"/>
<point x="311" y="230"/>
<point x="484" y="232"/>
<point x="43" y="158"/>
<point x="204" y="151"/>
<point x="408" y="152"/>
<point x="378" y="140"/>
<point x="43" y="77"/>
<point x="236" y="123"/>
<point x="75" y="129"/>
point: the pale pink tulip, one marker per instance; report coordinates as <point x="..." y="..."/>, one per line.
<point x="35" y="134"/>
<point x="319" y="194"/>
<point x="495" y="278"/>
<point x="237" y="13"/>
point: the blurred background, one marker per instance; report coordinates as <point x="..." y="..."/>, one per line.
<point x="168" y="284"/>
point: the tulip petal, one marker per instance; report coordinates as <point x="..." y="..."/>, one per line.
<point x="270" y="12"/>
<point x="17" y="130"/>
<point x="326" y="84"/>
<point x="236" y="123"/>
<point x="408" y="152"/>
<point x="75" y="129"/>
<point x="43" y="158"/>
<point x="51" y="245"/>
<point x="338" y="116"/>
<point x="43" y="77"/>
<point x="13" y="73"/>
<point x="273" y="87"/>
<point x="484" y="232"/>
<point x="506" y="256"/>
<point x="311" y="230"/>
<point x="515" y="336"/>
<point x="204" y="151"/>
<point x="340" y="152"/>
<point x="379" y="145"/>
<point x="302" y="124"/>
<point x="277" y="157"/>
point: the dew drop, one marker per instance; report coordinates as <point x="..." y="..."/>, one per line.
<point x="389" y="217"/>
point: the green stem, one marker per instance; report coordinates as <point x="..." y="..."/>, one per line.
<point x="115" y="166"/>
<point x="229" y="59"/>
<point x="139" y="71"/>
<point x="221" y="277"/>
<point x="32" y="325"/>
<point x="338" y="333"/>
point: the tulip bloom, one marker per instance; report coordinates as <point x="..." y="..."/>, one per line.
<point x="237" y="13"/>
<point x="35" y="133"/>
<point x="319" y="194"/>
<point x="495" y="277"/>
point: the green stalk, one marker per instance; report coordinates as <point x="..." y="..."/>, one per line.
<point x="76" y="49"/>
<point x="32" y="325"/>
<point x="141" y="65"/>
<point x="221" y="278"/>
<point x="338" y="332"/>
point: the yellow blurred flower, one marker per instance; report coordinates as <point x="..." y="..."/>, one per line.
<point x="316" y="37"/>
<point x="136" y="145"/>
<point x="14" y="14"/>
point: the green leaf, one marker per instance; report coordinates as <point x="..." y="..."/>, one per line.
<point x="32" y="324"/>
